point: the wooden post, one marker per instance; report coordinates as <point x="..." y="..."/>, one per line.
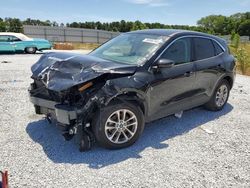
<point x="64" y="35"/>
<point x="82" y="36"/>
<point x="98" y="37"/>
<point x="45" y="33"/>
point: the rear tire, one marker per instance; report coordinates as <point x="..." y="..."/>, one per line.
<point x="30" y="50"/>
<point x="220" y="96"/>
<point x="118" y="126"/>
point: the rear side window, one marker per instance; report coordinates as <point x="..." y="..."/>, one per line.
<point x="204" y="48"/>
<point x="218" y="49"/>
<point x="179" y="51"/>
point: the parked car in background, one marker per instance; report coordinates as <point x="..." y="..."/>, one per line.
<point x="19" y="43"/>
<point x="134" y="78"/>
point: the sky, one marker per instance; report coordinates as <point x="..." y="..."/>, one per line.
<point x="180" y="12"/>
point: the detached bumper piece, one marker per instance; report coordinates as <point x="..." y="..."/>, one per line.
<point x="4" y="183"/>
<point x="69" y="118"/>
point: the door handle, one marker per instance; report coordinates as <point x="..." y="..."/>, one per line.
<point x="189" y="73"/>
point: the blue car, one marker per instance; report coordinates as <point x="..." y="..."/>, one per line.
<point x="19" y="43"/>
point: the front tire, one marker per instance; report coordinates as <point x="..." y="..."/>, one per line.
<point x="220" y="96"/>
<point x="118" y="126"/>
<point x="30" y="50"/>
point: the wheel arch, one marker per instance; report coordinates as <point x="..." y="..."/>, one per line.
<point x="131" y="97"/>
<point x="30" y="46"/>
<point x="229" y="79"/>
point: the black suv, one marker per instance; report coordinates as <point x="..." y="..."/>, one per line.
<point x="137" y="77"/>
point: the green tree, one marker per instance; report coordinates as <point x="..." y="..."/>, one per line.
<point x="30" y="21"/>
<point x="137" y="25"/>
<point x="2" y="25"/>
<point x="74" y="24"/>
<point x="243" y="59"/>
<point x="213" y="24"/>
<point x="123" y="26"/>
<point x="217" y="24"/>
<point x="240" y="52"/>
<point x="14" y="25"/>
<point x="244" y="28"/>
<point x="235" y="41"/>
<point x="55" y="24"/>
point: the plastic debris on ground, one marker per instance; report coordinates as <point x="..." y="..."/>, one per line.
<point x="178" y="114"/>
<point x="206" y="130"/>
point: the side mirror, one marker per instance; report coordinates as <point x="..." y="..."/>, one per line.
<point x="164" y="63"/>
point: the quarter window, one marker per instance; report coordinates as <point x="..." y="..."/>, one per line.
<point x="15" y="39"/>
<point x="179" y="51"/>
<point x="218" y="49"/>
<point x="203" y="48"/>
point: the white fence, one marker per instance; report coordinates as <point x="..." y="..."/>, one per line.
<point x="66" y="34"/>
<point x="242" y="38"/>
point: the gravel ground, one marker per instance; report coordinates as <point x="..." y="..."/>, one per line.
<point x="202" y="149"/>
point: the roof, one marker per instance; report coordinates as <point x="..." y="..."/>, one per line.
<point x="172" y="32"/>
<point x="9" y="33"/>
<point x="18" y="35"/>
<point x="169" y="32"/>
<point x="162" y="32"/>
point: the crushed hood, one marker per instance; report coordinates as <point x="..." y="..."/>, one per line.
<point x="61" y="71"/>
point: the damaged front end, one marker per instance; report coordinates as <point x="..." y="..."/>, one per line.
<point x="70" y="90"/>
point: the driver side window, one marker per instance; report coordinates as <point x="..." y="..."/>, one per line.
<point x="179" y="51"/>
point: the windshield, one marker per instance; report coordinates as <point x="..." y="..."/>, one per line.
<point x="130" y="48"/>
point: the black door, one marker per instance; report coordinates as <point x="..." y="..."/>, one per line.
<point x="173" y="87"/>
<point x="208" y="67"/>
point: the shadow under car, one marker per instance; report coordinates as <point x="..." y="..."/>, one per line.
<point x="155" y="133"/>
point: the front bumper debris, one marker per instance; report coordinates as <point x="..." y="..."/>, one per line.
<point x="64" y="114"/>
<point x="71" y="119"/>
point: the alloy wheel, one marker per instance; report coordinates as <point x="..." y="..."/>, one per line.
<point x="221" y="95"/>
<point x="121" y="126"/>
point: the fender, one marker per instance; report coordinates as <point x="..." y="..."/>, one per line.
<point x="229" y="77"/>
<point x="111" y="94"/>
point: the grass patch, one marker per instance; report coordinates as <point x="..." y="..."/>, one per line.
<point x="63" y="46"/>
<point x="75" y="46"/>
<point x="242" y="54"/>
<point x="85" y="46"/>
